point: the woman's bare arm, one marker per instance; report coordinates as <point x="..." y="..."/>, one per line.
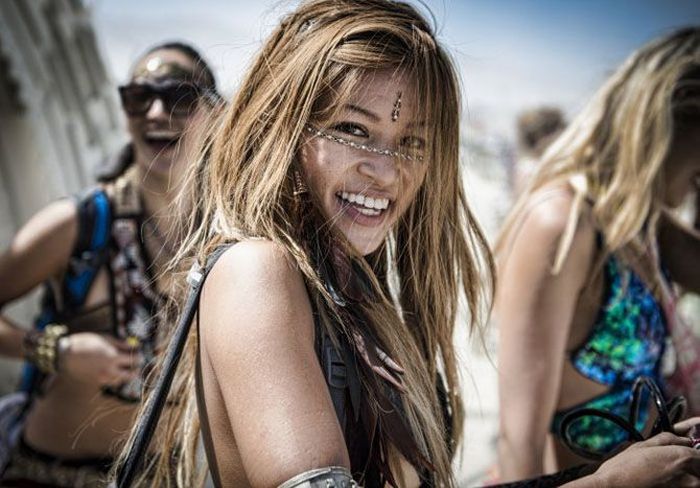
<point x="679" y="246"/>
<point x="257" y="330"/>
<point x="534" y="311"/>
<point x="38" y="251"/>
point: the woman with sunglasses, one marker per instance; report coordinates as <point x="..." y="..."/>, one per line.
<point x="99" y="258"/>
<point x="588" y="258"/>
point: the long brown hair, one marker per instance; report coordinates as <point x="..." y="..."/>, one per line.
<point x="243" y="186"/>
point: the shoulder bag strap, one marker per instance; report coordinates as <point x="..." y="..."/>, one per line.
<point x="154" y="407"/>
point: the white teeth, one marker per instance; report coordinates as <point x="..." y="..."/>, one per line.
<point x="369" y="211"/>
<point x="381" y="203"/>
<point x="160" y="134"/>
<point x="376" y="205"/>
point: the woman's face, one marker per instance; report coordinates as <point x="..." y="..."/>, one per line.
<point x="159" y="106"/>
<point x="682" y="165"/>
<point x="356" y="167"/>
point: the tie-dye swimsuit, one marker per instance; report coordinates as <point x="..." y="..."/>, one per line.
<point x="626" y="341"/>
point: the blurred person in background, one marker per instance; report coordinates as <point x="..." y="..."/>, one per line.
<point x="98" y="257"/>
<point x="588" y="259"/>
<point x="536" y="129"/>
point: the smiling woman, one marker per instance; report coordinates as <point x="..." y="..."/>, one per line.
<point x="98" y="256"/>
<point x="365" y="169"/>
<point x="334" y="172"/>
<point x="330" y="192"/>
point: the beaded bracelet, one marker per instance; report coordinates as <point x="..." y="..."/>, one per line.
<point x="41" y="347"/>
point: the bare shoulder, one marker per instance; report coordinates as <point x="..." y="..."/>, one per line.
<point x="256" y="292"/>
<point x="40" y="249"/>
<point x="543" y="228"/>
<point x="256" y="327"/>
<point x="57" y="222"/>
<point x="547" y="211"/>
<point x="259" y="266"/>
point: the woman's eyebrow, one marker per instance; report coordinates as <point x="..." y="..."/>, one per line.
<point x="367" y="113"/>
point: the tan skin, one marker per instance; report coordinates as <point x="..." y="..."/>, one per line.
<point x="542" y="317"/>
<point x="267" y="401"/>
<point x="73" y="419"/>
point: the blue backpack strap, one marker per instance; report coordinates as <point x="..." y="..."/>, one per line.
<point x="89" y="253"/>
<point x="94" y="226"/>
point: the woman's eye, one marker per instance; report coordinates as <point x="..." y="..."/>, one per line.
<point x="351" y="129"/>
<point x="414" y="143"/>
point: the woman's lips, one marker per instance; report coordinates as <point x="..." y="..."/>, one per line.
<point x="360" y="214"/>
<point x="162" y="141"/>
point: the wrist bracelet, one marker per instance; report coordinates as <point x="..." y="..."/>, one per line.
<point x="41" y="347"/>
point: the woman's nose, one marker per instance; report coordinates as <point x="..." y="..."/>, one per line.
<point x="156" y="110"/>
<point x="379" y="167"/>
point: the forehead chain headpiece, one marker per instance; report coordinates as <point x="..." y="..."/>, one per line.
<point x="362" y="147"/>
<point x="397" y="108"/>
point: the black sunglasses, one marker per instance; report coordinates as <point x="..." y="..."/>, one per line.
<point x="179" y="99"/>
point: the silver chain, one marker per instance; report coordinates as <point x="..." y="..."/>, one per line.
<point x="362" y="147"/>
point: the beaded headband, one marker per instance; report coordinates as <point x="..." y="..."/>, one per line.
<point x="362" y="147"/>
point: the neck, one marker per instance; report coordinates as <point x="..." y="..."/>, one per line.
<point x="157" y="192"/>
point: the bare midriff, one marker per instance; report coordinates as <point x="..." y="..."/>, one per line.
<point x="74" y="419"/>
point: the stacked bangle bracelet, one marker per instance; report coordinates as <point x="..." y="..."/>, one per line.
<point x="41" y="347"/>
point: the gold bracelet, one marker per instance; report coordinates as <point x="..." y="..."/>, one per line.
<point x="41" y="348"/>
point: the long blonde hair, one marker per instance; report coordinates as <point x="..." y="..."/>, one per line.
<point x="614" y="151"/>
<point x="243" y="186"/>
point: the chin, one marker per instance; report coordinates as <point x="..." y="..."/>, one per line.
<point x="364" y="247"/>
<point x="160" y="165"/>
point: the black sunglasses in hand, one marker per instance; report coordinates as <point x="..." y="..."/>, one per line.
<point x="179" y="99"/>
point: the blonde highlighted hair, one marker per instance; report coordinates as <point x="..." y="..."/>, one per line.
<point x="243" y="186"/>
<point x="612" y="154"/>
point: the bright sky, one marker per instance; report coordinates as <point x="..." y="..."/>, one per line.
<point x="512" y="54"/>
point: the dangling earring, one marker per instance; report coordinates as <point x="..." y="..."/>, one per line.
<point x="396" y="111"/>
<point x="299" y="186"/>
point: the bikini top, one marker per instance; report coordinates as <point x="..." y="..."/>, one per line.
<point x="627" y="341"/>
<point x="628" y="337"/>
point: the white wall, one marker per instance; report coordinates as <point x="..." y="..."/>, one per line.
<point x="58" y="118"/>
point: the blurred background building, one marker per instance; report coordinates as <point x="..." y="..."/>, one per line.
<point x="59" y="116"/>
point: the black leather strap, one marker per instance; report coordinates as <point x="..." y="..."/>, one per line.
<point x="339" y="376"/>
<point x="148" y="421"/>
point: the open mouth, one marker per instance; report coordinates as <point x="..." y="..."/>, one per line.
<point x="160" y="140"/>
<point x="365" y="205"/>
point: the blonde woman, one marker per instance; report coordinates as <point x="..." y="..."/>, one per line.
<point x="587" y="256"/>
<point x="325" y="329"/>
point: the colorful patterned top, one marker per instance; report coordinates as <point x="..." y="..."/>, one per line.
<point x="626" y="341"/>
